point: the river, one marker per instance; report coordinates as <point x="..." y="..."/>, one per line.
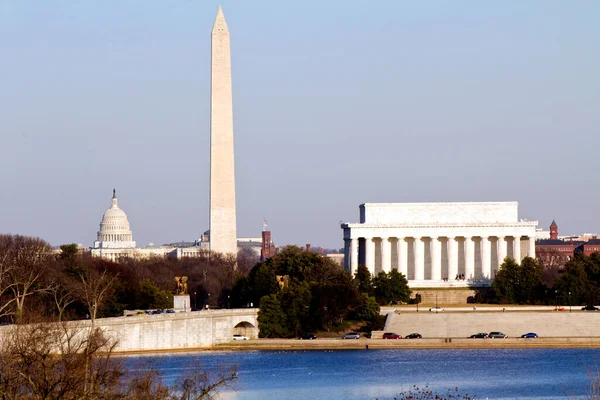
<point x="369" y="374"/>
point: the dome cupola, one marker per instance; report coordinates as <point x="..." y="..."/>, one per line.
<point x="114" y="228"/>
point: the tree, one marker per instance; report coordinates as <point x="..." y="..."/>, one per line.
<point x="151" y="297"/>
<point x="23" y="261"/>
<point x="579" y="278"/>
<point x="390" y="288"/>
<point x="368" y="309"/>
<point x="363" y="279"/>
<point x="506" y="280"/>
<point x="516" y="283"/>
<point x="271" y="319"/>
<point x="552" y="263"/>
<point x="400" y="290"/>
<point x="295" y="300"/>
<point x="94" y="289"/>
<point x="529" y="286"/>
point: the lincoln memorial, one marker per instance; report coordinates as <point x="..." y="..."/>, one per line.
<point x="438" y="244"/>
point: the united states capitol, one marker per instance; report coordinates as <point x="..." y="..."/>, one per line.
<point x="114" y="240"/>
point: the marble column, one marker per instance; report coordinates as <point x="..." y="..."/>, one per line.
<point x="386" y="254"/>
<point x="486" y="257"/>
<point x="452" y="258"/>
<point x="353" y="256"/>
<point x="419" y="252"/>
<point x="531" y="252"/>
<point x="436" y="259"/>
<point x="469" y="257"/>
<point x="370" y="255"/>
<point x="402" y="256"/>
<point x="517" y="249"/>
<point x="501" y="251"/>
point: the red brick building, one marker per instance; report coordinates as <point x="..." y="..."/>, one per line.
<point x="591" y="246"/>
<point x="554" y="250"/>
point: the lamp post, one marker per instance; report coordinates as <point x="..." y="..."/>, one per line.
<point x="569" y="301"/>
<point x="556" y="295"/>
<point x="228" y="297"/>
<point x="417" y="298"/>
<point x="195" y="302"/>
<point x="205" y="287"/>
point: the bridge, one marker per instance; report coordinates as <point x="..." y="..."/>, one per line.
<point x="184" y="330"/>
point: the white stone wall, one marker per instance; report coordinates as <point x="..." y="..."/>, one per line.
<point x="514" y="324"/>
<point x="439" y="213"/>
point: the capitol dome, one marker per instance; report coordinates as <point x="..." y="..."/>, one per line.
<point x="114" y="228"/>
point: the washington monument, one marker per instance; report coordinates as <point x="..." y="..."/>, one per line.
<point x="223" y="237"/>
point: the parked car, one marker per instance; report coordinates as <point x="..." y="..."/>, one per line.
<point x="480" y="335"/>
<point x="391" y="335"/>
<point x="170" y="311"/>
<point x="308" y="336"/>
<point x="413" y="336"/>
<point x="351" y="335"/>
<point x="529" y="335"/>
<point x="240" y="337"/>
<point x="436" y="309"/>
<point x="589" y="308"/>
<point x="497" y="335"/>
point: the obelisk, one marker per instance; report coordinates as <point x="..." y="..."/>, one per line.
<point x="223" y="238"/>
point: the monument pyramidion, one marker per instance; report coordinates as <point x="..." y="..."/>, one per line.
<point x="223" y="237"/>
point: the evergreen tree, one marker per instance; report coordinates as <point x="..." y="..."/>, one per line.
<point x="271" y="319"/>
<point x="363" y="279"/>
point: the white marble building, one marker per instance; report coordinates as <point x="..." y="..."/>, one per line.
<point x="438" y="244"/>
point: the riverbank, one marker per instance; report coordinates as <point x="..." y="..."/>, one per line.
<point x="460" y="343"/>
<point x="373" y="344"/>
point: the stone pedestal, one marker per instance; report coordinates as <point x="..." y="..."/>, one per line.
<point x="181" y="302"/>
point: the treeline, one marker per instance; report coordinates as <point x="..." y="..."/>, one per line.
<point x="578" y="283"/>
<point x="35" y="280"/>
<point x="300" y="291"/>
<point x="296" y="290"/>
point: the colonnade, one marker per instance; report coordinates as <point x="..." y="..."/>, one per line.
<point x="436" y="258"/>
<point x="115" y="238"/>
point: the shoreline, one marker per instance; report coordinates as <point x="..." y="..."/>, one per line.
<point x="382" y="344"/>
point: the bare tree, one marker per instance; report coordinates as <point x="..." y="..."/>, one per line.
<point x="552" y="263"/>
<point x="6" y="267"/>
<point x="71" y="360"/>
<point x="198" y="384"/>
<point x="94" y="289"/>
<point x="24" y="260"/>
<point x="62" y="296"/>
<point x="49" y="361"/>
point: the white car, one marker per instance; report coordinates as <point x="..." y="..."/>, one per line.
<point x="240" y="337"/>
<point x="436" y="309"/>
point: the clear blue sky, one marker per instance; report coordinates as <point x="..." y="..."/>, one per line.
<point x="336" y="103"/>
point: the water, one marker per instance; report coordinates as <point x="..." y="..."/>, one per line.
<point x="370" y="374"/>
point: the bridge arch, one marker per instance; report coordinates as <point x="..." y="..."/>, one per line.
<point x="245" y="328"/>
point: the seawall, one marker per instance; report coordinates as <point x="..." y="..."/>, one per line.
<point x="462" y="324"/>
